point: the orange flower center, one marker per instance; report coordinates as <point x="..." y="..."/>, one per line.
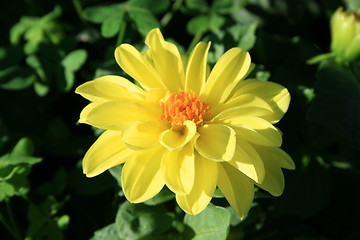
<point x="184" y="106"/>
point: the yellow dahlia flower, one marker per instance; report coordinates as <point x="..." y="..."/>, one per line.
<point x="186" y="127"/>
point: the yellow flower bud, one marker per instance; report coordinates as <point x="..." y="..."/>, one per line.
<point x="345" y="35"/>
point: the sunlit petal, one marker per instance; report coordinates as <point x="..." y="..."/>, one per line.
<point x="174" y="140"/>
<point x="276" y="95"/>
<point x="216" y="142"/>
<point x="197" y="67"/>
<point x="85" y="112"/>
<point x="142" y="176"/>
<point x="136" y="65"/>
<point x="256" y="130"/>
<point x="236" y="187"/>
<point x="110" y="88"/>
<point x="206" y="172"/>
<point x="142" y="135"/>
<point x="227" y="72"/>
<point x="248" y="161"/>
<point x="180" y="169"/>
<point x="115" y="115"/>
<point x="167" y="60"/>
<point x="107" y="152"/>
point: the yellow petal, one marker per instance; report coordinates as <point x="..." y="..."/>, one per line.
<point x="136" y="65"/>
<point x="274" y="179"/>
<point x="110" y="88"/>
<point x="167" y="60"/>
<point x="174" y="140"/>
<point x="223" y="116"/>
<point x="84" y="113"/>
<point x="116" y="115"/>
<point x="142" y="176"/>
<point x="206" y="176"/>
<point x="237" y="188"/>
<point x="276" y="95"/>
<point x="227" y="72"/>
<point x="154" y="96"/>
<point x="107" y="152"/>
<point x="256" y="130"/>
<point x="277" y="156"/>
<point x="216" y="142"/>
<point x="196" y="68"/>
<point x="142" y="135"/>
<point x="241" y="101"/>
<point x="248" y="161"/>
<point x="180" y="169"/>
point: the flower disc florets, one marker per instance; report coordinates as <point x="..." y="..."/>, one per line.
<point x="184" y="106"/>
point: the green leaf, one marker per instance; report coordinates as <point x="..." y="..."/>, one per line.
<point x="41" y="89"/>
<point x="34" y="36"/>
<point x="337" y="101"/>
<point x="223" y="6"/>
<point x="244" y="35"/>
<point x="215" y="22"/>
<point x="98" y="14"/>
<point x="24" y="147"/>
<point x="20" y="154"/>
<point x="198" y="25"/>
<point x="21" y="27"/>
<point x="63" y="221"/>
<point x="204" y="23"/>
<point x="6" y="190"/>
<point x="263" y="75"/>
<point x="144" y="20"/>
<point x="159" y="7"/>
<point x="116" y="173"/>
<point x="16" y="78"/>
<point x="137" y="221"/>
<point x="211" y="224"/>
<point x="107" y="233"/>
<point x="352" y="5"/>
<point x="74" y="60"/>
<point x="163" y="196"/>
<point x="34" y="62"/>
<point x="111" y="25"/>
<point x="52" y="15"/>
<point x="218" y="193"/>
<point x="69" y="80"/>
<point x="9" y="160"/>
<point x="198" y="5"/>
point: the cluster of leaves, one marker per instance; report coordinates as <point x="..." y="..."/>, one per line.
<point x="55" y="48"/>
<point x="48" y="54"/>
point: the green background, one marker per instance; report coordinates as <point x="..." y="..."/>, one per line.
<point x="50" y="47"/>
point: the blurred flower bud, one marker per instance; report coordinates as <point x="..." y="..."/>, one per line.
<point x="345" y="35"/>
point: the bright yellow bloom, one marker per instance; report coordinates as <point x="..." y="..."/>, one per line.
<point x="187" y="128"/>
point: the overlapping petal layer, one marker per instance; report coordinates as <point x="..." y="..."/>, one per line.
<point x="142" y="175"/>
<point x="107" y="152"/>
<point x="206" y="176"/>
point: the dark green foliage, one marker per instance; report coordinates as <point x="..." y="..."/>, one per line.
<point x="47" y="50"/>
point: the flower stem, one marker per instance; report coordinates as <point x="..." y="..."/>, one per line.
<point x="121" y="35"/>
<point x="169" y="15"/>
<point x="319" y="58"/>
<point x="194" y="41"/>
<point x="78" y="8"/>
<point x="13" y="226"/>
